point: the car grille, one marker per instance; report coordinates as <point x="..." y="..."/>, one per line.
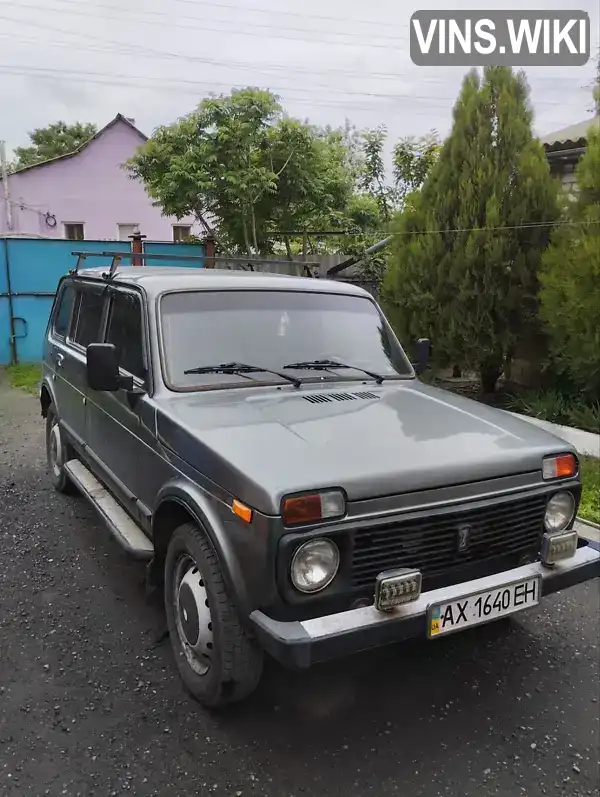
<point x="431" y="543"/>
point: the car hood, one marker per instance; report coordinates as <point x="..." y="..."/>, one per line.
<point x="261" y="444"/>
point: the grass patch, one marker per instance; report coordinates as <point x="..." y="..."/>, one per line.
<point x="25" y="376"/>
<point x="589" y="509"/>
<point x="555" y="407"/>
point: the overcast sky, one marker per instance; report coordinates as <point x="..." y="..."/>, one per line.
<point x="329" y="60"/>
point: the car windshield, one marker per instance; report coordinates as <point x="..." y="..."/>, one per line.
<point x="274" y="329"/>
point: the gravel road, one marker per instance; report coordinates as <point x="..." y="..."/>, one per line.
<point x="91" y="704"/>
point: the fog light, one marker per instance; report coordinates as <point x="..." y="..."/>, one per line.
<point x="556" y="547"/>
<point x="396" y="588"/>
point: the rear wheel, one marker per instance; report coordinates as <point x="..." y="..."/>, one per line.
<point x="218" y="661"/>
<point x="58" y="452"/>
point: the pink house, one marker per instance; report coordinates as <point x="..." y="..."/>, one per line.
<point x="87" y="195"/>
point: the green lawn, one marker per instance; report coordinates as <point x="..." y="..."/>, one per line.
<point x="589" y="508"/>
<point x="25" y="376"/>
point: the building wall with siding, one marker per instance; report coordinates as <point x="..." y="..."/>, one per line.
<point x="90" y="187"/>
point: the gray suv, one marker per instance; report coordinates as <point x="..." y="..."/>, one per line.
<point x="265" y="444"/>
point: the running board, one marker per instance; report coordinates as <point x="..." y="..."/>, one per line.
<point x="123" y="528"/>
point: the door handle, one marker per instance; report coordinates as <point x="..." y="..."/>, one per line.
<point x="60" y="358"/>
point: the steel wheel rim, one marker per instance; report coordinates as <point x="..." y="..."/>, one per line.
<point x="55" y="450"/>
<point x="192" y="615"/>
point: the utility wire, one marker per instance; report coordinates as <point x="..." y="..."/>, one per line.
<point x="281" y="13"/>
<point x="231" y="31"/>
<point x="204" y="19"/>
<point x="127" y="80"/>
<point x="525" y="226"/>
<point x="258" y="68"/>
<point x="72" y="77"/>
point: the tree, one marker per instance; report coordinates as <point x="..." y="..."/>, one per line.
<point x="570" y="280"/>
<point x="413" y="159"/>
<point x="237" y="159"/>
<point x="373" y="180"/>
<point x="51" y="141"/>
<point x="466" y="255"/>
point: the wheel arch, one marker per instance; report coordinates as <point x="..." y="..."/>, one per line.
<point x="46" y="399"/>
<point x="178" y="503"/>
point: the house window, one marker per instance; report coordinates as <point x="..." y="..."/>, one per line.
<point x="74" y="231"/>
<point x="125" y="230"/>
<point x="181" y="232"/>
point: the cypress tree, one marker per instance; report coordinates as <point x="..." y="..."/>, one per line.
<point x="465" y="258"/>
<point x="570" y="277"/>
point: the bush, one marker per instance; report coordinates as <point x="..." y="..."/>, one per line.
<point x="551" y="406"/>
<point x="556" y="407"/>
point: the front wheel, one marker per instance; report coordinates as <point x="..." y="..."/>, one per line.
<point x="57" y="453"/>
<point x="217" y="660"/>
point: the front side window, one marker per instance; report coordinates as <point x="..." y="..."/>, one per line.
<point x="89" y="318"/>
<point x="64" y="306"/>
<point x="275" y="329"/>
<point x="125" y="332"/>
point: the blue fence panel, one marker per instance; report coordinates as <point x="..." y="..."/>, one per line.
<point x="163" y="248"/>
<point x="4" y="309"/>
<point x="36" y="266"/>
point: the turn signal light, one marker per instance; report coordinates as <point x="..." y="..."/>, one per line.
<point x="559" y="467"/>
<point x="313" y="507"/>
<point x="241" y="510"/>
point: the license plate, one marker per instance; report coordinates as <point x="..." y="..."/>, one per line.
<point x="482" y="607"/>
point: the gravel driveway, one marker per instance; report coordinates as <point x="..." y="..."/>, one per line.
<point x="91" y="704"/>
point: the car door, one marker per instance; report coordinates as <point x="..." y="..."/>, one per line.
<point x="77" y="322"/>
<point x="120" y="424"/>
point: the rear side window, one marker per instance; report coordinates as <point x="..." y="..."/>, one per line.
<point x="62" y="315"/>
<point x="89" y="318"/>
<point x="125" y="332"/>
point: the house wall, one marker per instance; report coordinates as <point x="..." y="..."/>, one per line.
<point x="565" y="172"/>
<point x="91" y="187"/>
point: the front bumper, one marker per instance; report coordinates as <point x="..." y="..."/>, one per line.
<point x="302" y="643"/>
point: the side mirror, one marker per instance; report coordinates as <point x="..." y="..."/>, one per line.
<point x="422" y="351"/>
<point x="103" y="368"/>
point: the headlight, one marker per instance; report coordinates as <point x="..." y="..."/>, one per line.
<point x="559" y="511"/>
<point x="315" y="565"/>
<point x="560" y="466"/>
<point x="313" y="507"/>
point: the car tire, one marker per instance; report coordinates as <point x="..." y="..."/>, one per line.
<point x="217" y="659"/>
<point x="57" y="453"/>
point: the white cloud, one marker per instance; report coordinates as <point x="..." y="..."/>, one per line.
<point x="329" y="60"/>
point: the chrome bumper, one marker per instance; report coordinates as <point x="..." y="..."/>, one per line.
<point x="302" y="643"/>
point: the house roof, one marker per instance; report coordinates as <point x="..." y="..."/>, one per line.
<point x="571" y="136"/>
<point x="118" y="118"/>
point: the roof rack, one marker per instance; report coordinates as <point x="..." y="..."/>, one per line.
<point x="245" y="263"/>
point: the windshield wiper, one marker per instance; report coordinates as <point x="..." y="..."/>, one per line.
<point x="241" y="369"/>
<point x="327" y="365"/>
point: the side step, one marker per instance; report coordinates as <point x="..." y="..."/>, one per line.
<point x="124" y="529"/>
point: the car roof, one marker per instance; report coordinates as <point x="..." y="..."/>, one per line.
<point x="156" y="280"/>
